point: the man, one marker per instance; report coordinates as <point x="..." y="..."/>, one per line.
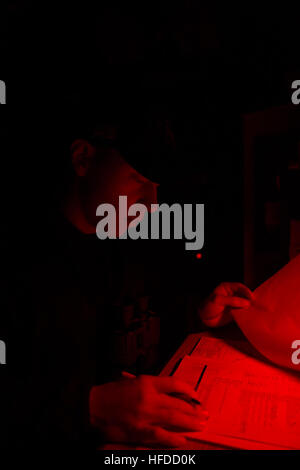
<point x="68" y="391"/>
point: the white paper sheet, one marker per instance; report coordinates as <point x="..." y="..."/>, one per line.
<point x="272" y="323"/>
<point x="252" y="405"/>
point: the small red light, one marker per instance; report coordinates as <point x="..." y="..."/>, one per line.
<point x="199" y="255"/>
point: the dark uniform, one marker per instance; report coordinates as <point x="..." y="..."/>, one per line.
<point x="65" y="310"/>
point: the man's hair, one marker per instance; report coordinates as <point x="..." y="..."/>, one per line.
<point x="139" y="131"/>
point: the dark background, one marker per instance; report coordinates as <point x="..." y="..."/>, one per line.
<point x="207" y="65"/>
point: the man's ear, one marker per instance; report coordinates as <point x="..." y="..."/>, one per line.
<point x="82" y="153"/>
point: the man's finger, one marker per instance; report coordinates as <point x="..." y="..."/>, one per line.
<point x="179" y="405"/>
<point x="242" y="291"/>
<point x="158" y="436"/>
<point x="219" y="319"/>
<point x="170" y="385"/>
<point x="180" y="421"/>
<point x="232" y="301"/>
<point x="234" y="288"/>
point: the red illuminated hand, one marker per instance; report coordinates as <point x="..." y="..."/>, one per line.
<point x="142" y="411"/>
<point x="227" y="296"/>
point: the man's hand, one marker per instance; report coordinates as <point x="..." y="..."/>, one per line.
<point x="145" y="410"/>
<point x="227" y="296"/>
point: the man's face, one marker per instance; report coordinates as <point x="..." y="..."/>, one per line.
<point x="110" y="177"/>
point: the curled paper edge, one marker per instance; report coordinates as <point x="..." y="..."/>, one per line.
<point x="272" y="322"/>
